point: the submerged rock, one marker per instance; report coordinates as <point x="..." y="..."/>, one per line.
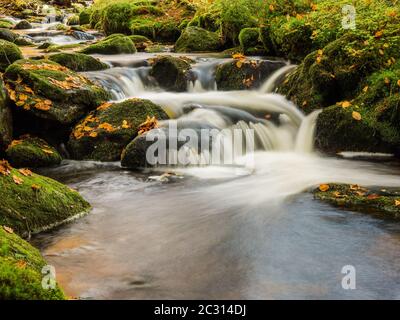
<point x="78" y="62"/>
<point x="50" y="91"/>
<point x="8" y="54"/>
<point x="21" y="270"/>
<point x="195" y="39"/>
<point x="245" y="74"/>
<point x="32" y="152"/>
<point x="354" y="197"/>
<point x="31" y="203"/>
<point x="171" y="73"/>
<point x="114" y="44"/>
<point x="106" y="131"/>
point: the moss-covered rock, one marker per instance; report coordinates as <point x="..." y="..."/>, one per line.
<point x="78" y="62"/>
<point x="50" y="91"/>
<point x="32" y="152"/>
<point x="73" y="20"/>
<point x="6" y="128"/>
<point x="250" y="43"/>
<point x="244" y="74"/>
<point x="167" y="31"/>
<point x="105" y="132"/>
<point x="141" y="42"/>
<point x="171" y="73"/>
<point x="23" y="24"/>
<point x="143" y="27"/>
<point x="383" y="201"/>
<point x="8" y="54"/>
<point x="5" y="24"/>
<point x="134" y="155"/>
<point x="21" y="270"/>
<point x="31" y="203"/>
<point x="195" y="39"/>
<point x="84" y="16"/>
<point x="114" y="44"/>
<point x="8" y="35"/>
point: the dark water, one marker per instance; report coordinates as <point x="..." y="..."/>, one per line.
<point x="151" y="240"/>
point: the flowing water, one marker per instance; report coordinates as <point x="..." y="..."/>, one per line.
<point x="227" y="232"/>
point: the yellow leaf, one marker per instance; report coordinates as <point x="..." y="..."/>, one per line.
<point x="125" y="125"/>
<point x="149" y="124"/>
<point x="356" y="115"/>
<point x="365" y="89"/>
<point x="17" y="180"/>
<point x="381" y="52"/>
<point x="324" y="187"/>
<point x="93" y="134"/>
<point x="398" y="83"/>
<point x="397" y="203"/>
<point x="22" y="97"/>
<point x="48" y="151"/>
<point x="346" y="104"/>
<point x="379" y="34"/>
<point x="35" y="187"/>
<point x="271" y="7"/>
<point x="8" y="229"/>
<point x="238" y="56"/>
<point x="239" y="64"/>
<point x="387" y="81"/>
<point x="5" y="168"/>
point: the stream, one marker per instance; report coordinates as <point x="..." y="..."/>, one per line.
<point x="222" y="232"/>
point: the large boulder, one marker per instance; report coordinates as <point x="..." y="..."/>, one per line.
<point x="171" y="73"/>
<point x="195" y="39"/>
<point x="78" y="62"/>
<point x="6" y="128"/>
<point x="114" y="44"/>
<point x="32" y="152"/>
<point x="105" y="132"/>
<point x="50" y="91"/>
<point x="242" y="74"/>
<point x="134" y="155"/>
<point x="23" y="24"/>
<point x="250" y="42"/>
<point x="8" y="54"/>
<point x="21" y="270"/>
<point x="31" y="203"/>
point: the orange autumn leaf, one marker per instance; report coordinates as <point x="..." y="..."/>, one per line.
<point x="125" y="124"/>
<point x="372" y="196"/>
<point x="42" y="106"/>
<point x="149" y="124"/>
<point x="346" y="104"/>
<point x="25" y="172"/>
<point x="238" y="56"/>
<point x="5" y="168"/>
<point x="239" y="64"/>
<point x="21" y="264"/>
<point x="17" y="180"/>
<point x="398" y="83"/>
<point x="107" y="127"/>
<point x="379" y="34"/>
<point x="22" y="97"/>
<point x="356" y="115"/>
<point x="93" y="134"/>
<point x="8" y="229"/>
<point x="397" y="203"/>
<point x="324" y="187"/>
<point x="271" y="7"/>
<point x="104" y="106"/>
<point x="365" y="89"/>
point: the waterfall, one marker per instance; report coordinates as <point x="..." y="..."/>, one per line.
<point x="270" y="84"/>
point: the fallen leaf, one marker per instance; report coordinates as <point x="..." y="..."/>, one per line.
<point x="93" y="134"/>
<point x="356" y="115"/>
<point x="365" y="89"/>
<point x="271" y="7"/>
<point x="346" y="104"/>
<point x="8" y="229"/>
<point x="149" y="124"/>
<point x="324" y="187"/>
<point x="398" y="83"/>
<point x="379" y="34"/>
<point x="47" y="151"/>
<point x="25" y="172"/>
<point x="238" y="56"/>
<point x="125" y="124"/>
<point x="387" y="81"/>
<point x="239" y="64"/>
<point x="35" y="187"/>
<point x="17" y="180"/>
<point x="21" y="264"/>
<point x="5" y="168"/>
<point x="372" y="196"/>
<point x="107" y="127"/>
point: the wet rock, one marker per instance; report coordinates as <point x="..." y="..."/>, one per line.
<point x="171" y="73"/>
<point x="21" y="270"/>
<point x="383" y="201"/>
<point x="8" y="54"/>
<point x="105" y="132"/>
<point x="78" y="62"/>
<point x="5" y="24"/>
<point x="32" y="203"/>
<point x="245" y="74"/>
<point x="23" y="24"/>
<point x="114" y="44"/>
<point x="47" y="90"/>
<point x="6" y="128"/>
<point x="141" y="42"/>
<point x="195" y="39"/>
<point x="23" y="41"/>
<point x="32" y="152"/>
<point x="8" y="35"/>
<point x="167" y="31"/>
<point x="45" y="45"/>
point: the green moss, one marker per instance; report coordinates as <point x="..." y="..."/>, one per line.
<point x="5" y="24"/>
<point x="68" y="94"/>
<point x="78" y="62"/>
<point x="84" y="16"/>
<point x="377" y="200"/>
<point x="171" y="73"/>
<point x="134" y="155"/>
<point x="143" y="27"/>
<point x="8" y="35"/>
<point x="114" y="44"/>
<point x="249" y="39"/>
<point x="8" y="54"/>
<point x="167" y="31"/>
<point x="195" y="39"/>
<point x="21" y="271"/>
<point x="105" y="132"/>
<point x="32" y="152"/>
<point x="37" y="203"/>
<point x="73" y="20"/>
<point x="23" y="24"/>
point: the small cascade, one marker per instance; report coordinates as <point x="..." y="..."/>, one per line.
<point x="204" y="74"/>
<point x="271" y="83"/>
